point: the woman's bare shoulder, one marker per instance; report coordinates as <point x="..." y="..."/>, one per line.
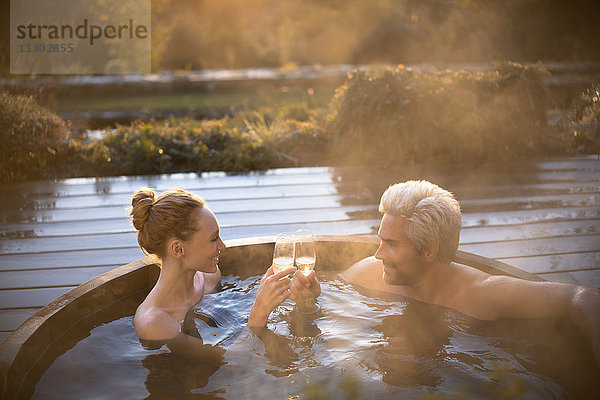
<point x="152" y="323"/>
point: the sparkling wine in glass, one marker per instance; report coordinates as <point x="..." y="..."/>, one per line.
<point x="306" y="255"/>
<point x="283" y="255"/>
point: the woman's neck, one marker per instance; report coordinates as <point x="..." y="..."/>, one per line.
<point x="175" y="286"/>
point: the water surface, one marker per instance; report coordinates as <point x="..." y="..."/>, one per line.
<point x="358" y="345"/>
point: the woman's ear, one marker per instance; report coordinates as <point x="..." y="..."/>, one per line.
<point x="176" y="248"/>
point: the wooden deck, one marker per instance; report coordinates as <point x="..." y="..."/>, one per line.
<point x="55" y="236"/>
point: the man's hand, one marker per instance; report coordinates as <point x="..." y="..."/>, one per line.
<point x="304" y="288"/>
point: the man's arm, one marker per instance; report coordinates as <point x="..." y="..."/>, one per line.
<point x="366" y="272"/>
<point x="304" y="288"/>
<point x="507" y="297"/>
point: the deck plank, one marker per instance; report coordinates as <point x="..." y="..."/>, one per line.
<point x="556" y="262"/>
<point x="469" y="235"/>
<point x="530" y="202"/>
<point x="210" y="195"/>
<point x="117" y="225"/>
<point x="533" y="189"/>
<point x="219" y="206"/>
<point x="564" y="277"/>
<point x="187" y="181"/>
<point x="557" y="170"/>
<point x="529" y="216"/>
<point x="482" y="234"/>
<point x="535" y="247"/>
<point x="500" y="250"/>
<point x="44" y="208"/>
<point x="104" y="191"/>
<point x="30" y="298"/>
<point x="588" y="278"/>
<point x="11" y="319"/>
<point x="122" y="224"/>
<point x="78" y="258"/>
<point x="287" y="202"/>
<point x="128" y="239"/>
<point x="38" y="278"/>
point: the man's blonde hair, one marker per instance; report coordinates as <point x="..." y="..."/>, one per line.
<point x="433" y="216"/>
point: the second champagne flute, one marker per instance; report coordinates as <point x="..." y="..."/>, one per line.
<point x="283" y="254"/>
<point x="306" y="255"/>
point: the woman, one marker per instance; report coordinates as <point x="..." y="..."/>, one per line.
<point x="180" y="229"/>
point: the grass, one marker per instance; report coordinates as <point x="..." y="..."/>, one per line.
<point x="198" y="101"/>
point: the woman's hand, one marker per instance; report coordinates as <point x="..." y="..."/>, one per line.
<point x="304" y="288"/>
<point x="272" y="291"/>
<point x="211" y="280"/>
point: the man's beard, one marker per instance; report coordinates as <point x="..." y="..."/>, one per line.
<point x="397" y="277"/>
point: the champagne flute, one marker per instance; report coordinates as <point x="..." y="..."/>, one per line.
<point x="306" y="255"/>
<point x="283" y="254"/>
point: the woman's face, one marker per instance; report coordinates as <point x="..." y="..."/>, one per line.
<point x="201" y="251"/>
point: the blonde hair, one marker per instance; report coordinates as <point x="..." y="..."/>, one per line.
<point x="171" y="215"/>
<point x="433" y="216"/>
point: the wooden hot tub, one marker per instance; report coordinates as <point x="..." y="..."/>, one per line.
<point x="33" y="346"/>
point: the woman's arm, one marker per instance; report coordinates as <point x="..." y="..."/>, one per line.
<point x="194" y="348"/>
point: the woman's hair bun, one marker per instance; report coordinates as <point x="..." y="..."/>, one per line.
<point x="141" y="204"/>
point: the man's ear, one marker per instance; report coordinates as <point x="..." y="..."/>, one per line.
<point x="431" y="253"/>
<point x="176" y="248"/>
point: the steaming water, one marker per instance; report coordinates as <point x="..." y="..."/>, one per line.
<point x="358" y="345"/>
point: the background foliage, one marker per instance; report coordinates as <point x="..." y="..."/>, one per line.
<point x="400" y="116"/>
<point x="30" y="138"/>
<point x="253" y="140"/>
<point x="386" y="117"/>
<point x="584" y="121"/>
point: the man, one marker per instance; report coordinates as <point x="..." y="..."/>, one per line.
<point x="419" y="235"/>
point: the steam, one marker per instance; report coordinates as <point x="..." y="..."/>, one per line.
<point x="239" y="34"/>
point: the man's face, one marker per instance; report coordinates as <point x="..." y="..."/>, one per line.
<point x="403" y="265"/>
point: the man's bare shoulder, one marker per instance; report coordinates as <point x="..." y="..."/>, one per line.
<point x="368" y="273"/>
<point x="467" y="274"/>
<point x="457" y="286"/>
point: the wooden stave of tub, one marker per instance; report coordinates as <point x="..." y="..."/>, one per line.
<point x="30" y="349"/>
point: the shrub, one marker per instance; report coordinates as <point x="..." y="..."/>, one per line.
<point x="30" y="138"/>
<point x="255" y="140"/>
<point x="584" y="121"/>
<point x="399" y="116"/>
